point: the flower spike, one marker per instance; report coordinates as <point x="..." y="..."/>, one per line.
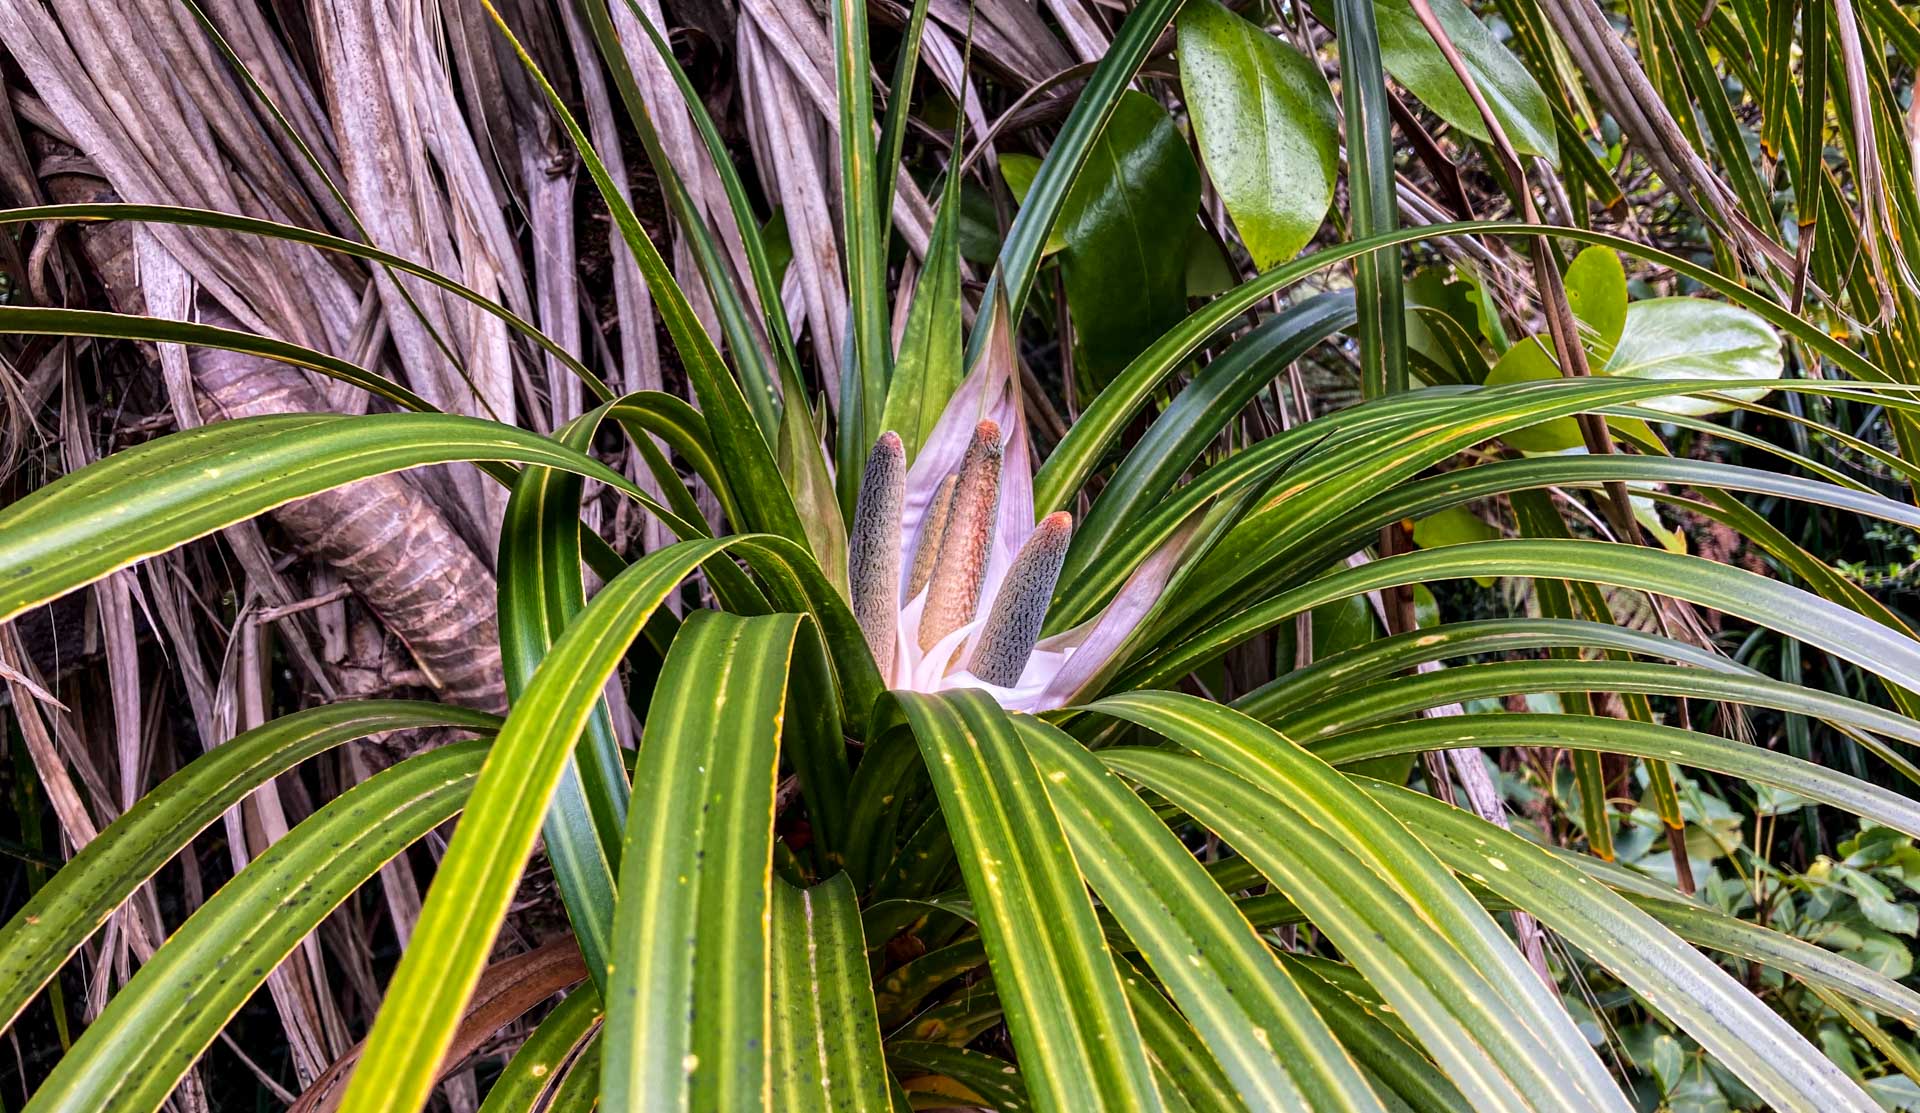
<point x="873" y="547"/>
<point x="1020" y="607"/>
<point x="931" y="534"/>
<point x="953" y="591"/>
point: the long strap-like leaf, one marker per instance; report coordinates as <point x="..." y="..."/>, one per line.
<point x="73" y="903"/>
<point x="543" y="1059"/>
<point x="826" y="1039"/>
<point x="1742" y="1032"/>
<point x="1255" y="1021"/>
<point x="1079" y="1048"/>
<point x="470" y="894"/>
<point x="166" y="492"/>
<point x="1326" y="798"/>
<point x="1758" y="599"/>
<point x="688" y="1026"/>
<point x="1621" y="736"/>
<point x="154" y="1028"/>
<point x="1459" y="1017"/>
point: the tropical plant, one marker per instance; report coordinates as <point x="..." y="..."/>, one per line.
<point x="948" y="787"/>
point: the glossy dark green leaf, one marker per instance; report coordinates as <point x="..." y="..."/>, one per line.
<point x="1020" y="256"/>
<point x="1268" y="131"/>
<point x="1126" y="224"/>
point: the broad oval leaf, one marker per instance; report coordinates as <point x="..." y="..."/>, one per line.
<point x="1268" y="131"/>
<point x="1597" y="293"/>
<point x="1412" y="57"/>
<point x="1126" y="224"/>
<point x="1531" y="361"/>
<point x="1694" y="338"/>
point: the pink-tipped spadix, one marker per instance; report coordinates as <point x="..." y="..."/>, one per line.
<point x="960" y="569"/>
<point x="972" y="573"/>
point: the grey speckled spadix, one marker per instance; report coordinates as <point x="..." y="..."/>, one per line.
<point x="1020" y="607"/>
<point x="873" y="547"/>
<point x="953" y="591"/>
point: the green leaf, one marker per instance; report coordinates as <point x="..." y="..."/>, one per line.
<point x="994" y="1081"/>
<point x="688" y="1024"/>
<point x="176" y="488"/>
<point x="1693" y="338"/>
<point x="133" y="1055"/>
<point x="1077" y="1042"/>
<point x="826" y="1041"/>
<point x="1074" y="459"/>
<point x="1095" y="103"/>
<point x="1182" y="1065"/>
<point x="1531" y="361"/>
<point x="64" y="912"/>
<point x="484" y="860"/>
<point x="1454" y="526"/>
<point x="1258" y="1025"/>
<point x="1268" y="131"/>
<point x="1372" y="204"/>
<point x="1759" y="599"/>
<point x="536" y="1067"/>
<point x="1414" y="59"/>
<point x="1158" y="460"/>
<point x="1520" y="1028"/>
<point x="541" y="589"/>
<point x="1019" y="170"/>
<point x="1359" y="660"/>
<point x="1625" y="736"/>
<point x="1457" y="1013"/>
<point x="1597" y="292"/>
<point x="1364" y="705"/>
<point x="1738" y="1029"/>
<point x="1383" y="1048"/>
<point x="1126" y="225"/>
<point x="927" y="370"/>
<point x="863" y="389"/>
<point x="801" y="461"/>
